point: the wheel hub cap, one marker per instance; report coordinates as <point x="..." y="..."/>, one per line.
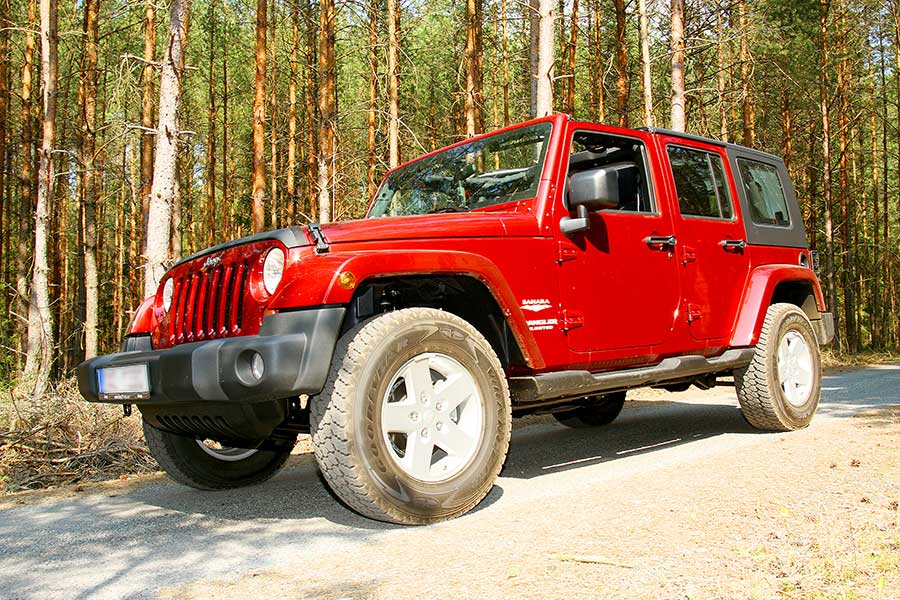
<point x="431" y="417"/>
<point x="795" y="369"/>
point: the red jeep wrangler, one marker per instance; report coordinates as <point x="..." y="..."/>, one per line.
<point x="547" y="267"/>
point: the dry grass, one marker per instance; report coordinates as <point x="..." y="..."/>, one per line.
<point x="837" y="360"/>
<point x="61" y="439"/>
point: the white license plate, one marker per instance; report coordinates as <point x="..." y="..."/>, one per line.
<point x="129" y="382"/>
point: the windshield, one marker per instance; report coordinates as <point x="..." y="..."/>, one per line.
<point x="499" y="168"/>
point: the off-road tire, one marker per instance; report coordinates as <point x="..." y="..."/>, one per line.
<point x="346" y="418"/>
<point x="598" y="411"/>
<point x="185" y="462"/>
<point x="762" y="399"/>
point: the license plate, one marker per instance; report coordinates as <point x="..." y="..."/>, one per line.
<point x="129" y="382"/>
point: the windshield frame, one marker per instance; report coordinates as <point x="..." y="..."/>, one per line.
<point x="546" y="165"/>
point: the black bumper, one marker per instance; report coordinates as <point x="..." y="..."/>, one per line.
<point x="204" y="387"/>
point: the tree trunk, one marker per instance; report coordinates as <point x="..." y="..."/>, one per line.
<point x="748" y="110"/>
<point x="504" y="57"/>
<point x="259" y="122"/>
<point x="89" y="176"/>
<point x="621" y="64"/>
<point x="543" y="72"/>
<point x="846" y="225"/>
<point x="327" y="103"/>
<point x="573" y="41"/>
<point x="26" y="207"/>
<point x="678" y="118"/>
<point x="393" y="58"/>
<point x="720" y="78"/>
<point x="876" y="281"/>
<point x="39" y="348"/>
<point x="4" y="115"/>
<point x="646" y="81"/>
<point x="600" y="104"/>
<point x="148" y="139"/>
<point x="165" y="164"/>
<point x="826" y="163"/>
<point x="473" y="97"/>
<point x="273" y="134"/>
<point x="227" y="210"/>
<point x="289" y="185"/>
<point x="211" y="224"/>
<point x="372" y="112"/>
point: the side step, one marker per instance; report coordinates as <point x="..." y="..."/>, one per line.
<point x="561" y="385"/>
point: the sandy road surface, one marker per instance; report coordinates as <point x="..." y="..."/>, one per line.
<point x="679" y="498"/>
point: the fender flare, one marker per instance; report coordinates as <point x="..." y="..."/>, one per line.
<point x="757" y="297"/>
<point x="319" y="285"/>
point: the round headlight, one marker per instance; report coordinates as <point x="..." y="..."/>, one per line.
<point x="168" y="292"/>
<point x="273" y="269"/>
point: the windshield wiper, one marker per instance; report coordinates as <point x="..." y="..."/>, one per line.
<point x="449" y="209"/>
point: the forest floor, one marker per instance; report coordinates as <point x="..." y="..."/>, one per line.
<point x="677" y="499"/>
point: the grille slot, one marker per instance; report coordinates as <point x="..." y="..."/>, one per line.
<point x="209" y="304"/>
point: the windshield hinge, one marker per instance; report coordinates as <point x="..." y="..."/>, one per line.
<point x="565" y="252"/>
<point x="316" y="232"/>
<point x="571" y="319"/>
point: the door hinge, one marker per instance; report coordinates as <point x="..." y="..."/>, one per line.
<point x="687" y="255"/>
<point x="570" y="320"/>
<point x="692" y="312"/>
<point x="565" y="252"/>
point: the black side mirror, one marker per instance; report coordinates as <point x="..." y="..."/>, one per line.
<point x="595" y="189"/>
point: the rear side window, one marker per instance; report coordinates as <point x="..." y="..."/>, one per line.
<point x="765" y="194"/>
<point x="700" y="183"/>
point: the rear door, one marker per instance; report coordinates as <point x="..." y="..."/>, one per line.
<point x="711" y="239"/>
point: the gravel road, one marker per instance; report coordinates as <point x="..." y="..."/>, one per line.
<point x="158" y="538"/>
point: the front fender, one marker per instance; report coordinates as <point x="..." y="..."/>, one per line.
<point x="318" y="284"/>
<point x="144" y="320"/>
<point x="758" y="296"/>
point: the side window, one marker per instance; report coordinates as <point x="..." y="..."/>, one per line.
<point x="700" y="183"/>
<point x="592" y="150"/>
<point x="765" y="194"/>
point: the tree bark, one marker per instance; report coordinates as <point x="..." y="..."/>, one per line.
<point x="621" y="64"/>
<point x="599" y="92"/>
<point x="258" y="192"/>
<point x="393" y="58"/>
<point x="165" y="164"/>
<point x="327" y="109"/>
<point x="26" y="182"/>
<point x="289" y="181"/>
<point x="39" y="348"/>
<point x="748" y="110"/>
<point x="543" y="72"/>
<point x="372" y="112"/>
<point x="721" y="75"/>
<point x="646" y="80"/>
<point x="678" y="118"/>
<point x="473" y="97"/>
<point x="148" y="139"/>
<point x="273" y="134"/>
<point x="826" y="160"/>
<point x="5" y="200"/>
<point x="846" y="225"/>
<point x="89" y="175"/>
<point x="875" y="319"/>
<point x="571" y="48"/>
<point x="211" y="223"/>
<point x="504" y="58"/>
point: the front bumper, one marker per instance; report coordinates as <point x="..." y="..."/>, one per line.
<point x="203" y="387"/>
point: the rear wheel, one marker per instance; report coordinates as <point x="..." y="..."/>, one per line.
<point x="779" y="390"/>
<point x="414" y="421"/>
<point x="600" y="410"/>
<point x="207" y="465"/>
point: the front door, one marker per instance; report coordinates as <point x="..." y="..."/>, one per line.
<point x="619" y="278"/>
<point x="711" y="239"/>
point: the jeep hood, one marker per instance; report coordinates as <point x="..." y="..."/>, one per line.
<point x="445" y="225"/>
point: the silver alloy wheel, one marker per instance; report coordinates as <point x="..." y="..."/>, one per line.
<point x="795" y="368"/>
<point x="226" y="453"/>
<point x="432" y="416"/>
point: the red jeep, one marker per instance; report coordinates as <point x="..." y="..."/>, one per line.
<point x="546" y="267"/>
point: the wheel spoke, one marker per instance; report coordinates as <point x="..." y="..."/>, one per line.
<point x="455" y="390"/>
<point x="417" y="377"/>
<point x="418" y="455"/>
<point x="452" y="439"/>
<point x="396" y="417"/>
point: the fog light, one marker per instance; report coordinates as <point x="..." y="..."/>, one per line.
<point x="257" y="366"/>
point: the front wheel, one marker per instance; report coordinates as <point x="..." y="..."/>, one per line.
<point x="206" y="465"/>
<point x="779" y="390"/>
<point x="414" y="420"/>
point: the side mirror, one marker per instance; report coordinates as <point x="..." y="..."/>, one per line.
<point x="596" y="189"/>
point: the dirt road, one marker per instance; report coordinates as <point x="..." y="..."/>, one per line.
<point x="677" y="499"/>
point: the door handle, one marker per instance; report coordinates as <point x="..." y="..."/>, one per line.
<point x="733" y="244"/>
<point x="661" y="242"/>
